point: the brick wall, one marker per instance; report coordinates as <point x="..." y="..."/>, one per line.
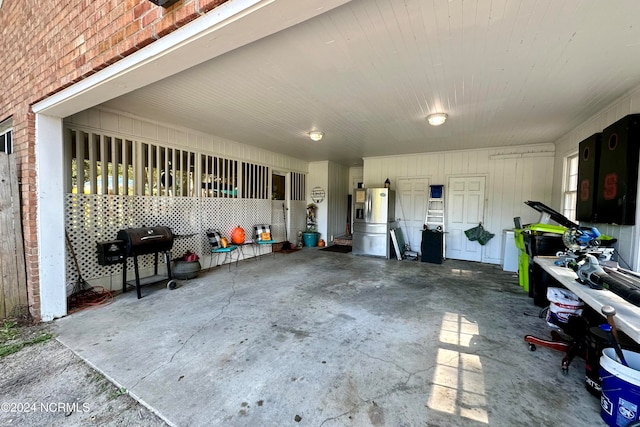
<point x="48" y="45"/>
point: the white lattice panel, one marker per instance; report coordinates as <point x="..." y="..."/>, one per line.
<point x="94" y="218"/>
<point x="298" y="216"/>
<point x="277" y="220"/>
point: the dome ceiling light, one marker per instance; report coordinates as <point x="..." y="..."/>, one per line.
<point x="437" y="119"/>
<point x="316" y="135"/>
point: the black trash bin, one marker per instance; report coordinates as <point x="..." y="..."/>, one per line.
<point x="541" y="240"/>
<point x="432" y="246"/>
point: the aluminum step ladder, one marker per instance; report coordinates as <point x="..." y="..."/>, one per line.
<point x="436" y="211"/>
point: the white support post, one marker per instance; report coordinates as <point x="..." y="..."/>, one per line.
<point x="50" y="217"/>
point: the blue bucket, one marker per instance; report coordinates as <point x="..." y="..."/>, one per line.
<point x="436" y="191"/>
<point x="620" y="400"/>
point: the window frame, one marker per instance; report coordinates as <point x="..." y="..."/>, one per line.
<point x="570" y="185"/>
<point x="6" y="136"/>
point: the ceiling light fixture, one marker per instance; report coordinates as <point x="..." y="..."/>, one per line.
<point x="437" y="119"/>
<point x="316" y="135"/>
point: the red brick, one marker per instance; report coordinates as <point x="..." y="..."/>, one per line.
<point x="131" y="29"/>
<point x="141" y="9"/>
<point x="144" y="37"/>
<point x="165" y="26"/>
<point x="49" y="46"/>
<point x="150" y="17"/>
<point x="117" y="38"/>
<point x="186" y="14"/>
<point x="127" y="47"/>
<point x="205" y="6"/>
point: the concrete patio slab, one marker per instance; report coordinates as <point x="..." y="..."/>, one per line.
<point x="316" y="338"/>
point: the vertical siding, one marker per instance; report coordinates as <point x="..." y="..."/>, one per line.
<point x="337" y="192"/>
<point x="133" y="127"/>
<point x="355" y="175"/>
<point x="332" y="212"/>
<point x="514" y="175"/>
<point x="319" y="177"/>
<point x="628" y="244"/>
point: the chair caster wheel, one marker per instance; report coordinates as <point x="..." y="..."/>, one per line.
<point x="565" y="371"/>
<point x="172" y="284"/>
<point x="532" y="347"/>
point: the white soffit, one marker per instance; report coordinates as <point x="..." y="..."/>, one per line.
<point x="367" y="73"/>
<point x="225" y="28"/>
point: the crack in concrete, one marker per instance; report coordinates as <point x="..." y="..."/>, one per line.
<point x="196" y="332"/>
<point x="392" y="390"/>
<point x="385" y="361"/>
<point x="336" y="417"/>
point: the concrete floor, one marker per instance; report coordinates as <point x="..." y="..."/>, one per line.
<point x="316" y="338"/>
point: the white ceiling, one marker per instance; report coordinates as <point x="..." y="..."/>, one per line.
<point x="507" y="72"/>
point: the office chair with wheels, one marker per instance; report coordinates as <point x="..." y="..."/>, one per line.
<point x="574" y="344"/>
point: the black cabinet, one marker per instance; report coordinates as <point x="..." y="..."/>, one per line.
<point x="432" y="246"/>
<point x="608" y="174"/>
<point x="540" y="244"/>
<point x="588" y="164"/>
<point x="618" y="172"/>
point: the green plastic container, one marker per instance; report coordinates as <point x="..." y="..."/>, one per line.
<point x="523" y="256"/>
<point x="523" y="259"/>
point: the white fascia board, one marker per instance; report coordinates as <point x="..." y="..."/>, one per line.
<point x="227" y="27"/>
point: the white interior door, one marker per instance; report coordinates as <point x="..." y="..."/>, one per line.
<point x="465" y="209"/>
<point x="411" y="209"/>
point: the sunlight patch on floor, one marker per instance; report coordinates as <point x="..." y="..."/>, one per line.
<point x="458" y="381"/>
<point x="457" y="330"/>
<point x="461" y="273"/>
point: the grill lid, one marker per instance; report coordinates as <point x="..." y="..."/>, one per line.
<point x="146" y="240"/>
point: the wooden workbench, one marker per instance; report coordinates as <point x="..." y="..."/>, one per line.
<point x="627" y="315"/>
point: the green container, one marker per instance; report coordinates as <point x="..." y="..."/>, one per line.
<point x="547" y="228"/>
<point x="534" y="231"/>
<point x="523" y="260"/>
<point x="311" y="239"/>
<point x="523" y="257"/>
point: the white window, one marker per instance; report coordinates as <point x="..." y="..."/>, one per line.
<point x="6" y="145"/>
<point x="570" y="187"/>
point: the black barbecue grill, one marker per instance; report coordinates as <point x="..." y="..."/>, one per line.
<point x="145" y="241"/>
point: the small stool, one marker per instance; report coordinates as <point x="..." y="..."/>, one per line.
<point x="246" y="243"/>
<point x="228" y="253"/>
<point x="260" y="243"/>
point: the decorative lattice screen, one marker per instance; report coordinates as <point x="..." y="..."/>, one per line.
<point x="95" y="218"/>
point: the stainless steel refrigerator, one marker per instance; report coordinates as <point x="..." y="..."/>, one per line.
<point x="373" y="216"/>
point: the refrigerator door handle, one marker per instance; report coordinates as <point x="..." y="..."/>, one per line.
<point x="367" y="210"/>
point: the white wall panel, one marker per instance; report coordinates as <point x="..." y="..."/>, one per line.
<point x="149" y="131"/>
<point x="125" y="125"/>
<point x="109" y="121"/>
<point x="355" y="175"/>
<point x="93" y="118"/>
<point x="319" y="177"/>
<point x="514" y="175"/>
<point x="162" y="134"/>
<point x="337" y="192"/>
